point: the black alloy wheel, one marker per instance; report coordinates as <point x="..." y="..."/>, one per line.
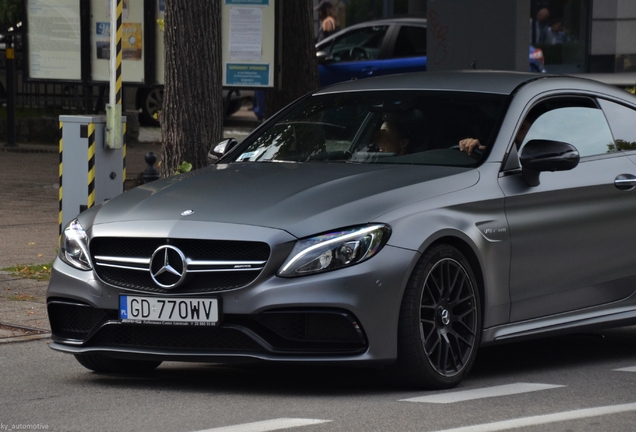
<point x="440" y="321"/>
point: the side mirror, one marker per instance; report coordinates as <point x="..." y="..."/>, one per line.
<point x="546" y="155"/>
<point x="323" y="57"/>
<point x="220" y="149"/>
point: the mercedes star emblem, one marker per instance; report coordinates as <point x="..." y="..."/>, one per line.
<point x="168" y="267"/>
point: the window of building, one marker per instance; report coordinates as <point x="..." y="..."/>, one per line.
<point x="560" y="29"/>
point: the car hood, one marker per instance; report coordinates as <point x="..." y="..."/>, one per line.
<point x="302" y="199"/>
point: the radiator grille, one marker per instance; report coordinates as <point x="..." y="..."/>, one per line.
<point x="213" y="265"/>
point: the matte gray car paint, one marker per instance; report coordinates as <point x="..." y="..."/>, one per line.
<point x="466" y="205"/>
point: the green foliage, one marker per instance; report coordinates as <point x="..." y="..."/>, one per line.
<point x="184" y="168"/>
<point x="625" y="145"/>
<point x="10" y="13"/>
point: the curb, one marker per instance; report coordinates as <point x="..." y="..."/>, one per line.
<point x="39" y="333"/>
<point x="42" y="148"/>
<point x="25" y="338"/>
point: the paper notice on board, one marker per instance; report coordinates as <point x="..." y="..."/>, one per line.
<point x="246" y="33"/>
<point x="131" y="41"/>
<point x="54" y="39"/>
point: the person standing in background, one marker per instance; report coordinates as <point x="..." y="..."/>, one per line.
<point x="328" y="20"/>
<point x="539" y="26"/>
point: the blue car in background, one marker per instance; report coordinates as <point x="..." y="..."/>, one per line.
<point x="382" y="47"/>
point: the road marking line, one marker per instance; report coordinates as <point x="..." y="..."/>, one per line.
<point x="465" y="395"/>
<point x="268" y="425"/>
<point x="545" y="419"/>
<point x="627" y="369"/>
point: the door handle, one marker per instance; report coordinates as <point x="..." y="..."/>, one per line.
<point x="369" y="70"/>
<point x="625" y="182"/>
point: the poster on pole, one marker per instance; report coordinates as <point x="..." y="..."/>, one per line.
<point x="249" y="41"/>
<point x="54" y="39"/>
<point x="132" y="67"/>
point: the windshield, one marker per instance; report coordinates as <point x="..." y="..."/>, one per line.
<point x="397" y="127"/>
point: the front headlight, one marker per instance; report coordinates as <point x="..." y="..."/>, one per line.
<point x="74" y="246"/>
<point x="335" y="250"/>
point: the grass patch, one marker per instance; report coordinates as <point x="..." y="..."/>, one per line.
<point x="38" y="272"/>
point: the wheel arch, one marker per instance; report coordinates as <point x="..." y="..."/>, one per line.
<point x="425" y="367"/>
<point x="471" y="256"/>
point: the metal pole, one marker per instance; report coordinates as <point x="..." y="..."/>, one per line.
<point x="10" y="57"/>
<point x="114" y="130"/>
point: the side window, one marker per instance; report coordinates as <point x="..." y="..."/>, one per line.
<point x="582" y="126"/>
<point x="362" y="44"/>
<point x="411" y="42"/>
<point x="622" y="120"/>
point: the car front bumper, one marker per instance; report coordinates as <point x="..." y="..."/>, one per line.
<point x="347" y="316"/>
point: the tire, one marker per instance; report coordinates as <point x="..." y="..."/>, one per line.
<point x="101" y="363"/>
<point x="150" y="101"/>
<point x="440" y="321"/>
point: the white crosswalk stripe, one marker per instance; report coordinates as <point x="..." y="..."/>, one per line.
<point x="488" y="392"/>
<point x="545" y="419"/>
<point x="268" y="425"/>
<point x="627" y="369"/>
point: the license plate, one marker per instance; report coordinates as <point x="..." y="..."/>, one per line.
<point x="169" y="311"/>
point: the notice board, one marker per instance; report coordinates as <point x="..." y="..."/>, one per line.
<point x="249" y="43"/>
<point x="132" y="42"/>
<point x="54" y="39"/>
<point x="69" y="40"/>
<point x="56" y="50"/>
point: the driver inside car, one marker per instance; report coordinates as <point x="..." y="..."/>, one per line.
<point x="468" y="145"/>
<point x="391" y="139"/>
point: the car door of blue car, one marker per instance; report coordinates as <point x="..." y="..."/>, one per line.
<point x="406" y="50"/>
<point x="336" y="72"/>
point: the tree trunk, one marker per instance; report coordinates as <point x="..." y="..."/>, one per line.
<point x="192" y="112"/>
<point x="299" y="66"/>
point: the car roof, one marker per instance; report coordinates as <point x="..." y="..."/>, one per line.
<point x="500" y="82"/>
<point x="383" y="21"/>
<point x="479" y="81"/>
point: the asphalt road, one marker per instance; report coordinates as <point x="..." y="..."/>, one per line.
<point x="575" y="383"/>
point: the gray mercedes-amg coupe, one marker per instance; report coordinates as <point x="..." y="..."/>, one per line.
<point x="400" y="221"/>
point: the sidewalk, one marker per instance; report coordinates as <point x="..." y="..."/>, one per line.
<point x="29" y="192"/>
